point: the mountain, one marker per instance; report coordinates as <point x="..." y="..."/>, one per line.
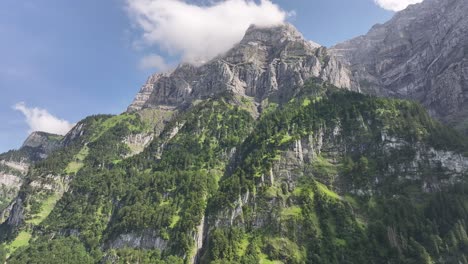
<point x="269" y="63"/>
<point x="15" y="164"/>
<point x="421" y="54"/>
<point x="266" y="154"/>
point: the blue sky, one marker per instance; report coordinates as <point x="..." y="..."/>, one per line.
<point x="77" y="58"/>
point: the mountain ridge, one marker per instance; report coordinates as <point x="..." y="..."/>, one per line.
<point x="267" y="63"/>
<point x="258" y="156"/>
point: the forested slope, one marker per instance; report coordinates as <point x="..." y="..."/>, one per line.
<point x="329" y="177"/>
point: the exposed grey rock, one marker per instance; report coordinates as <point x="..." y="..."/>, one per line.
<point x="10" y="181"/>
<point x="21" y="167"/>
<point x="199" y="237"/>
<point x="137" y="142"/>
<point x="16" y="217"/>
<point x="36" y="148"/>
<point x="41" y="139"/>
<point x="267" y="63"/>
<point x="145" y="240"/>
<point x="75" y="133"/>
<point x="420" y="54"/>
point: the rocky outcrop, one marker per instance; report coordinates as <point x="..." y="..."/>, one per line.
<point x="420" y="54"/>
<point x="42" y="139"/>
<point x="137" y="142"/>
<point x="145" y="240"/>
<point x="36" y="148"/>
<point x="20" y="167"/>
<point x="10" y="181"/>
<point x="16" y="216"/>
<point x="75" y="133"/>
<point x="199" y="238"/>
<point x="267" y="63"/>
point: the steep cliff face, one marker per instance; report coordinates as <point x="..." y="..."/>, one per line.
<point x="14" y="165"/>
<point x="267" y="63"/>
<point x="420" y="54"/>
<point x="336" y="171"/>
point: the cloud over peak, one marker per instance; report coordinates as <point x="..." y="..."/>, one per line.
<point x="154" y="61"/>
<point x="198" y="33"/>
<point x="41" y="120"/>
<point x="396" y="5"/>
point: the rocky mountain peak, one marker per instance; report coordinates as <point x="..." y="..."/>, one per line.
<point x="39" y="145"/>
<point x="267" y="63"/>
<point x="272" y="35"/>
<point x="37" y="139"/>
<point x="420" y="54"/>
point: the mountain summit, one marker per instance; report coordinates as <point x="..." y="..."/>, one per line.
<point x="420" y="54"/>
<point x="267" y="63"/>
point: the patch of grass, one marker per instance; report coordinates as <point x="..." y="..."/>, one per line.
<point x="264" y="260"/>
<point x="20" y="241"/>
<point x="273" y="191"/>
<point x="175" y="220"/>
<point x="117" y="161"/>
<point x="285" y="249"/>
<point x="243" y="246"/>
<point x="297" y="191"/>
<point x="323" y="167"/>
<point x="46" y="207"/>
<point x="82" y="154"/>
<point x="111" y="122"/>
<point x="270" y="108"/>
<point x="286" y="139"/>
<point x="324" y="189"/>
<point x="315" y="220"/>
<point x="340" y="242"/>
<point x="73" y="167"/>
<point x="291" y="212"/>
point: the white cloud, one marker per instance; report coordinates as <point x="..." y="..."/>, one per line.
<point x="200" y="32"/>
<point x="154" y="61"/>
<point x="40" y="120"/>
<point x="396" y="5"/>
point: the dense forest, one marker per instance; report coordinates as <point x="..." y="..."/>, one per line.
<point x="331" y="176"/>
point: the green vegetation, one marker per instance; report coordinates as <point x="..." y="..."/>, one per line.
<point x="21" y="240"/>
<point x="46" y="207"/>
<point x="324" y="189"/>
<point x="345" y="197"/>
<point x="58" y="251"/>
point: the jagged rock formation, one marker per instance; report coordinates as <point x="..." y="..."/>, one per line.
<point x="420" y="54"/>
<point x="267" y="63"/>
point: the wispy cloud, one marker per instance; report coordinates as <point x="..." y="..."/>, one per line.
<point x="41" y="120"/>
<point x="198" y="33"/>
<point x="396" y="5"/>
<point x="155" y="62"/>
